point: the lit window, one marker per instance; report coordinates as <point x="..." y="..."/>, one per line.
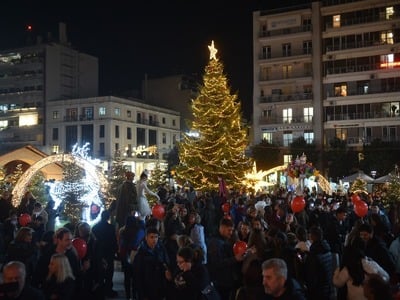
<point x="28" y="120"/>
<point x="389" y="12"/>
<point x="287" y="115"/>
<point x="117" y="111"/>
<point x="267" y="136"/>
<point x="336" y="21"/>
<point x="309" y="137"/>
<point x="341" y="90"/>
<point x="164" y="138"/>
<point x="287" y="159"/>
<point x="3" y="124"/>
<point x="308" y="114"/>
<point x="55" y="149"/>
<point x="56" y="114"/>
<point x="102" y="111"/>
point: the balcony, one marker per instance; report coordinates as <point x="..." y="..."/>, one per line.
<point x="294" y="53"/>
<point x="281" y="76"/>
<point x="285" y="31"/>
<point x="286" y="98"/>
<point x="281" y="120"/>
<point x="363" y="115"/>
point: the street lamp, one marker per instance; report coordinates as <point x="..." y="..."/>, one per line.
<point x="373" y="173"/>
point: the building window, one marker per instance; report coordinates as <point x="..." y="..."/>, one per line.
<point x="164" y="138"/>
<point x="55" y="149"/>
<point x="87" y="113"/>
<point x="309" y="137"/>
<point x="117" y="111"/>
<point x="287" y="71"/>
<point x="129" y="133"/>
<point x="307" y="47"/>
<point x="152" y="137"/>
<point x="287" y="138"/>
<point x="389" y="12"/>
<point x="102" y="130"/>
<point x="287" y="159"/>
<point x="336" y="21"/>
<point x="116" y="131"/>
<point x="163" y="120"/>
<point x="139" y="117"/>
<point x="286" y="49"/>
<point x="387" y="37"/>
<point x="116" y="147"/>
<point x="307" y="69"/>
<point x="102" y="149"/>
<point x="102" y="111"/>
<point x="140" y="136"/>
<point x="265" y="73"/>
<point x="56" y="114"/>
<point x="341" y="134"/>
<point x="128" y="113"/>
<point x="341" y="90"/>
<point x="266" y="52"/>
<point x="267" y="136"/>
<point x="55" y="134"/>
<point x="173" y="122"/>
<point x="174" y="139"/>
<point x="287" y="115"/>
<point x="308" y="114"/>
<point x="266" y="113"/>
<point x="72" y="114"/>
<point x="389" y="134"/>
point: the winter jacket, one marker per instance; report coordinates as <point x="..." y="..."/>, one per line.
<point x="318" y="271"/>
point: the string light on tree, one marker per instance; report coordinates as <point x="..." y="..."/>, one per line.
<point x="219" y="148"/>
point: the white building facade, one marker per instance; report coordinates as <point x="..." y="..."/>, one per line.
<point x="327" y="69"/>
<point x="143" y="134"/>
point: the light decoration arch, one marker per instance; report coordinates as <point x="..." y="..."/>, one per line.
<point x="100" y="181"/>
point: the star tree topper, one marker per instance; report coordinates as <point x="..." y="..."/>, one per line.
<point x="213" y="51"/>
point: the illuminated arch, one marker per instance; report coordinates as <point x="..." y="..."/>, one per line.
<point x="94" y="172"/>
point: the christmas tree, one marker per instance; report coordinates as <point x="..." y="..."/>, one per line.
<point x="73" y="191"/>
<point x="116" y="178"/>
<point x="218" y="148"/>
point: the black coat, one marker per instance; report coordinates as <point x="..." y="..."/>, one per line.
<point x="293" y="292"/>
<point x="189" y="284"/>
<point x="319" y="271"/>
<point x="149" y="266"/>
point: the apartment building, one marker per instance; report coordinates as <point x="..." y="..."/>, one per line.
<point x="33" y="75"/>
<point x="327" y="69"/>
<point x="143" y="134"/>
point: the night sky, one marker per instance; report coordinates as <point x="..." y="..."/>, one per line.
<point x="157" y="38"/>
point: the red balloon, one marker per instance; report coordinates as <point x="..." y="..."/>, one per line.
<point x="355" y="198"/>
<point x="80" y="246"/>
<point x="361" y="208"/>
<point x="24" y="219"/>
<point x="298" y="204"/>
<point x="226" y="207"/>
<point x="158" y="211"/>
<point x="240" y="247"/>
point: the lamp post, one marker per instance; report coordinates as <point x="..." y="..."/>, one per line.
<point x="373" y="173"/>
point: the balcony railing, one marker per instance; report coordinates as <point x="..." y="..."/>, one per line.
<point x="284" y="98"/>
<point x="282" y="120"/>
<point x="364" y="115"/>
<point x="306" y="51"/>
<point x="281" y="76"/>
<point x="303" y="28"/>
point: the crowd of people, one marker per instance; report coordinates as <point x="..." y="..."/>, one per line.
<point x="325" y="251"/>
